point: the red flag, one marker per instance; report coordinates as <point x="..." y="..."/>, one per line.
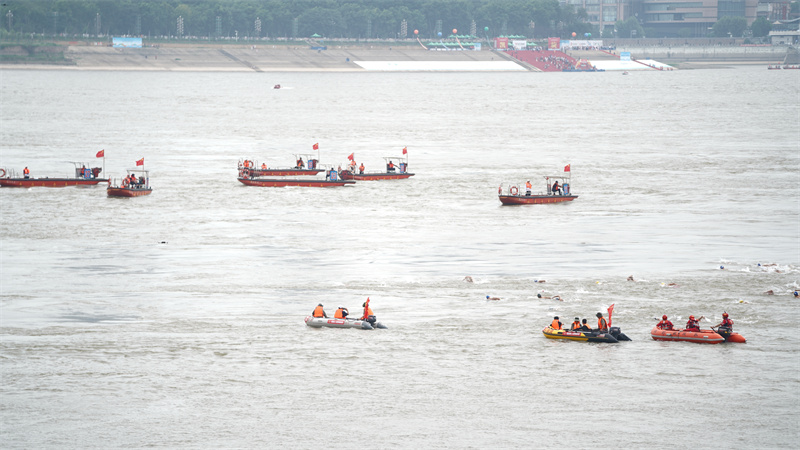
<point x="101" y="154"/>
<point x="566" y="168"/>
<point x="352" y="157"/>
<point x="315" y="146"/>
<point x="405" y="150"/>
<point x="140" y="162"/>
<point x="610" y="310"/>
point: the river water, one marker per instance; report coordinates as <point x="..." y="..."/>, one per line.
<point x="176" y="320"/>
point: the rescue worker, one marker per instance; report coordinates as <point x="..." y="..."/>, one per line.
<point x="263" y="166"/>
<point x="556" y="324"/>
<point x="726" y="322"/>
<point x="26" y="172"/>
<point x="361" y="168"/>
<point x="693" y="325"/>
<point x="585" y="325"/>
<point x="556" y="188"/>
<point x="319" y="312"/>
<point x="576" y="324"/>
<point x="664" y="324"/>
<point x="341" y="313"/>
<point x="528" y="188"/>
<point x="390" y="167"/>
<point x="300" y="164"/>
<point x="602" y="325"/>
<point x="369" y="316"/>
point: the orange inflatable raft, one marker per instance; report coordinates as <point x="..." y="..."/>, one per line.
<point x="700" y="337"/>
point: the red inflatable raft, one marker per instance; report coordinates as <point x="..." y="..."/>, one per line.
<point x="700" y="337"/>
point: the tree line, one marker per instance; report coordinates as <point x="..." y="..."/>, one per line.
<point x="336" y="19"/>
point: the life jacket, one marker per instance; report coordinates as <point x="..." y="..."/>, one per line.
<point x="727" y="323"/>
<point x="26" y="171"/>
<point x="361" y="167"/>
<point x="318" y="311"/>
<point x="692" y="324"/>
<point x="264" y="166"/>
<point x="367" y="313"/>
<point x="339" y="314"/>
<point x="528" y="185"/>
<point x="556" y="325"/>
<point x="601" y="323"/>
<point x="665" y="325"/>
<point x="575" y="325"/>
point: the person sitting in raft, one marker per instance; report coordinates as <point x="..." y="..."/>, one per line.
<point x="693" y="325"/>
<point x="664" y="324"/>
<point x="585" y="326"/>
<point x="528" y="188"/>
<point x="361" y="168"/>
<point x="556" y="324"/>
<point x="576" y="325"/>
<point x="26" y="173"/>
<point x="341" y="313"/>
<point x="319" y="312"/>
<point x="390" y="167"/>
<point x="556" y="188"/>
<point x="602" y="325"/>
<point x="726" y="322"/>
<point x="300" y="164"/>
<point x="369" y="316"/>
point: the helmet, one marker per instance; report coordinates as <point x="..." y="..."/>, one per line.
<point x="577" y="319"/>
<point x="691" y="317"/>
<point x="487" y="296"/>
<point x="724" y="314"/>
<point x="664" y="317"/>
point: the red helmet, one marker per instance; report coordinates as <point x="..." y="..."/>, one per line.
<point x="725" y="315"/>
<point x="664" y="317"/>
<point x="691" y="317"/>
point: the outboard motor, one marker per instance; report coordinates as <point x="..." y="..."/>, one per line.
<point x="618" y="335"/>
<point x="365" y="325"/>
<point x="725" y="332"/>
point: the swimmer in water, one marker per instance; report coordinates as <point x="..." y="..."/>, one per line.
<point x="468" y="279"/>
<point x="492" y="298"/>
<point x="555" y="297"/>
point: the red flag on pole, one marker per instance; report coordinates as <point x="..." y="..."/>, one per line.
<point x="352" y="157"/>
<point x="405" y="150"/>
<point x="101" y="154"/>
<point x="610" y="310"/>
<point x="315" y="146"/>
<point x="566" y="168"/>
<point x="140" y="162"/>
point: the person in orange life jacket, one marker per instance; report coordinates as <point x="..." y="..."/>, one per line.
<point x="693" y="325"/>
<point x="576" y="324"/>
<point x="556" y="324"/>
<point x="300" y="164"/>
<point x="556" y="188"/>
<point x="368" y="315"/>
<point x="726" y="322"/>
<point x="341" y="313"/>
<point x="602" y="325"/>
<point x="319" y="312"/>
<point x="361" y="168"/>
<point x="390" y="167"/>
<point x="263" y="166"/>
<point x="26" y="172"/>
<point x="528" y="187"/>
<point x="664" y="324"/>
<point x="585" y="326"/>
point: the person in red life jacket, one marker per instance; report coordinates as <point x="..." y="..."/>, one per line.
<point x="368" y="314"/>
<point x="693" y="325"/>
<point x="26" y="173"/>
<point x="341" y="313"/>
<point x="528" y="187"/>
<point x="726" y="322"/>
<point x="556" y="324"/>
<point x="390" y="167"/>
<point x="556" y="188"/>
<point x="664" y="324"/>
<point x="263" y="166"/>
<point x="361" y="168"/>
<point x="319" y="312"/>
<point x="576" y="324"/>
<point x="300" y="164"/>
<point x="602" y="325"/>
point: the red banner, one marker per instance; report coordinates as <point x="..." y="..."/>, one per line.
<point x="315" y="146"/>
<point x="553" y="43"/>
<point x="405" y="150"/>
<point x="352" y="157"/>
<point x="140" y="162"/>
<point x="566" y="168"/>
<point x="101" y="154"/>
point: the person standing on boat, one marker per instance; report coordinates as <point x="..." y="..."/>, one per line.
<point x="693" y="325"/>
<point x="528" y="188"/>
<point x="556" y="324"/>
<point x="319" y="312"/>
<point x="726" y="322"/>
<point x="361" y="168"/>
<point x="300" y="164"/>
<point x="664" y="324"/>
<point x="390" y="166"/>
<point x="26" y="173"/>
<point x="576" y="324"/>
<point x="602" y="325"/>
<point x="368" y="314"/>
<point x="341" y="313"/>
<point x="556" y="188"/>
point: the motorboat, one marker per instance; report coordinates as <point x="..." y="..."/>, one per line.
<point x="515" y="195"/>
<point x="698" y="337"/>
<point x="327" y="322"/>
<point x="613" y="335"/>
<point x="84" y="176"/>
<point x="127" y="189"/>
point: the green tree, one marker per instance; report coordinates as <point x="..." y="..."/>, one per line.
<point x="625" y="28"/>
<point x="727" y="25"/>
<point x="761" y="27"/>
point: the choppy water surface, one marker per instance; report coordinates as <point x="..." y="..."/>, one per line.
<point x="176" y="320"/>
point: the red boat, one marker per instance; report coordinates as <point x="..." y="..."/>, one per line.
<point x="83" y="177"/>
<point x="127" y="189"/>
<point x="283" y="182"/>
<point x="698" y="337"/>
<point x="248" y="168"/>
<point x="553" y="193"/>
<point x="394" y="171"/>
